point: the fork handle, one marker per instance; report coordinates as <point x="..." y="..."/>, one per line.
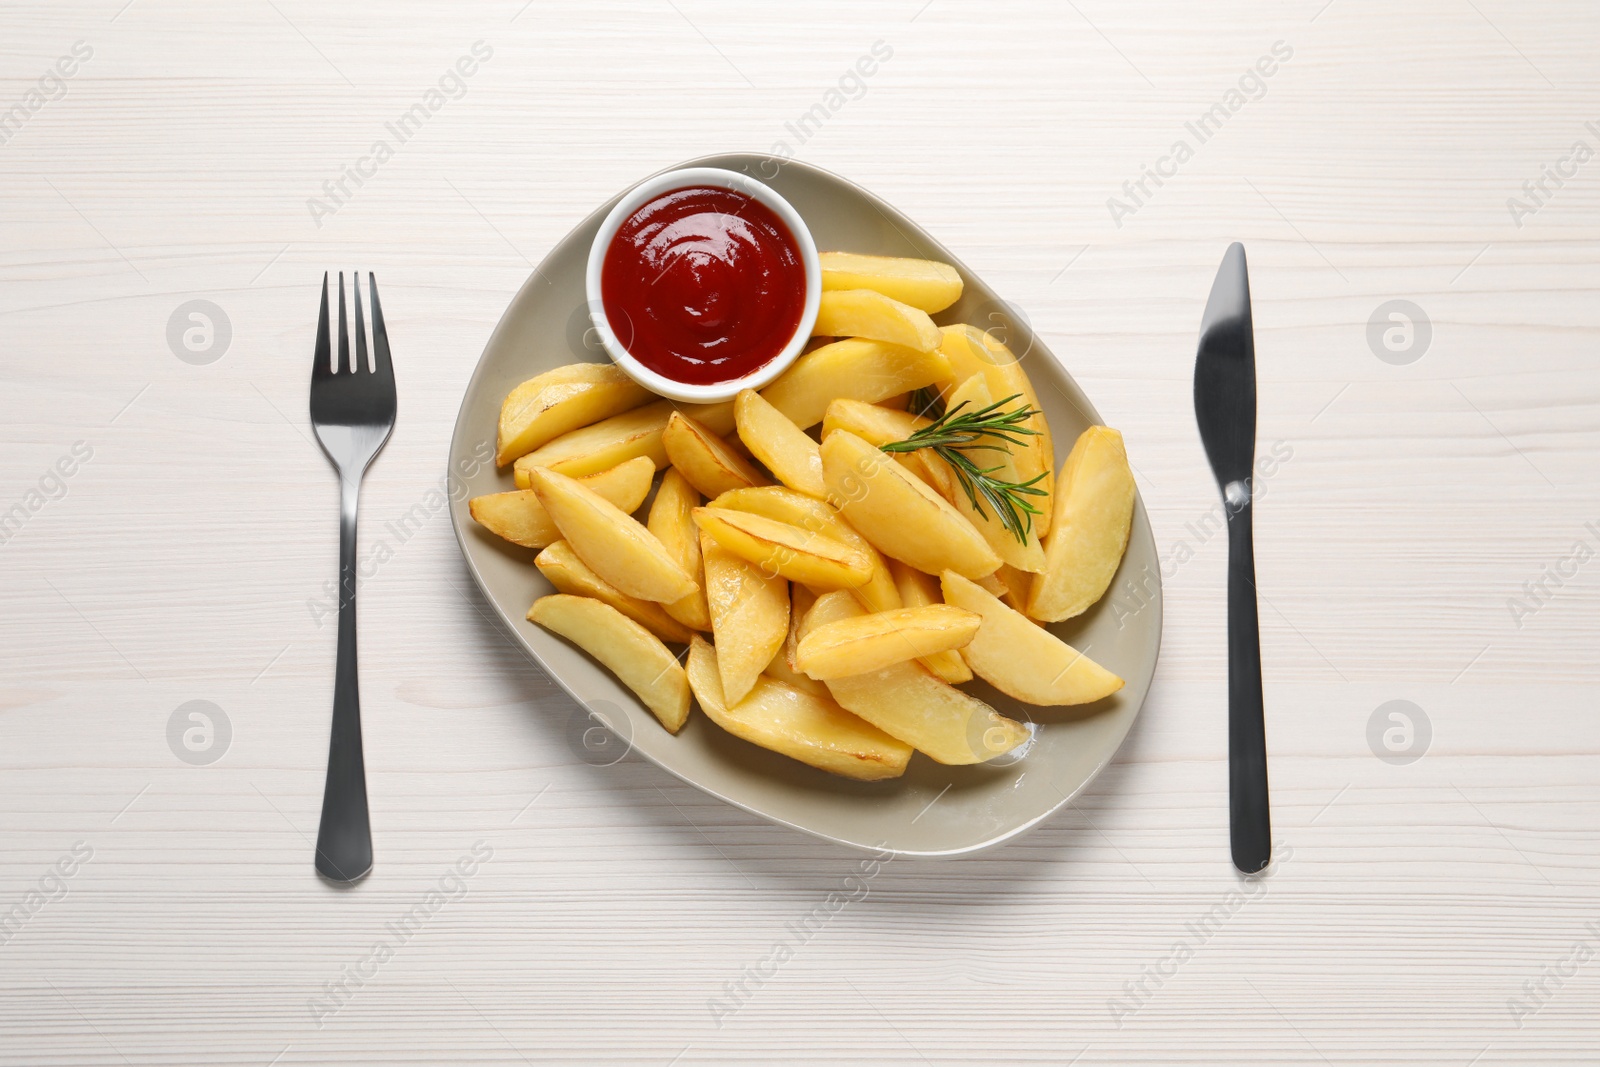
<point x="1250" y="823"/>
<point x="344" y="840"/>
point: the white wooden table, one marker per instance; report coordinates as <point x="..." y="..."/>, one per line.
<point x="1434" y="910"/>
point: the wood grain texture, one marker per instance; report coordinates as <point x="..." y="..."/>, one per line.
<point x="1440" y="912"/>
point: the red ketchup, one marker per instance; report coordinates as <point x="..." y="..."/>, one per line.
<point x="703" y="285"/>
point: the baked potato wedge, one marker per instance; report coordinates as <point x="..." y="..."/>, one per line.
<point x="557" y="401"/>
<point x="855" y="368"/>
<point x="1026" y="555"/>
<point x="925" y="284"/>
<point x="919" y="590"/>
<point x="877" y="593"/>
<point x="898" y="513"/>
<point x="782" y="666"/>
<point x="671" y="519"/>
<point x="779" y="669"/>
<point x="626" y="649"/>
<point x="878" y="425"/>
<point x="868" y="643"/>
<point x="1094" y="515"/>
<point x="1018" y="586"/>
<point x="563" y="569"/>
<point x="869" y="314"/>
<point x="971" y="351"/>
<point x="799" y="555"/>
<point x="793" y="722"/>
<point x="615" y="545"/>
<point x="781" y="446"/>
<point x="518" y="516"/>
<point x="1022" y="659"/>
<point x="906" y="701"/>
<point x="709" y="462"/>
<point x="606" y="443"/>
<point x="749" y="615"/>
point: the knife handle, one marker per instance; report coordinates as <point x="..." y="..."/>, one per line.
<point x="1250" y="823"/>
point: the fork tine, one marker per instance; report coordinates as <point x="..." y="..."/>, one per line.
<point x="344" y="333"/>
<point x="380" y="335"/>
<point x="361" y="329"/>
<point x="320" y="367"/>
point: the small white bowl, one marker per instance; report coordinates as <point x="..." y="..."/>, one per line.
<point x="716" y="178"/>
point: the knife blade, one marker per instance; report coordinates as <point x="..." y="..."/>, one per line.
<point x="1225" y="409"/>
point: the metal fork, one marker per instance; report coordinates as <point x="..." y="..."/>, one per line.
<point x="352" y="412"/>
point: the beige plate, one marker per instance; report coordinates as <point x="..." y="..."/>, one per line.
<point x="933" y="810"/>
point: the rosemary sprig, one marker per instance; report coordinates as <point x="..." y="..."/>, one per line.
<point x="926" y="402"/>
<point x="956" y="433"/>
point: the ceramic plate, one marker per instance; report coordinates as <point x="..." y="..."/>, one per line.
<point x="933" y="810"/>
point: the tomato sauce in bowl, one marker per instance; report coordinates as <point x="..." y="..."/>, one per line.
<point x="703" y="282"/>
<point x="703" y="285"/>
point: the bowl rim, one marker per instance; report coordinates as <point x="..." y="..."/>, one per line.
<point x="716" y="177"/>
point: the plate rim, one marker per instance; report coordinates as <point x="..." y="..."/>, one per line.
<point x="895" y="217"/>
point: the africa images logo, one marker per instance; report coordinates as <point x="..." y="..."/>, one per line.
<point x="47" y="89"/>
<point x="1251" y="85"/>
<point x="451" y="85"/>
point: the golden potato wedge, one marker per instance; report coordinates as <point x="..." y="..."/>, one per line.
<point x="618" y="439"/>
<point x="774" y="547"/>
<point x="800" y="600"/>
<point x="1024" y="660"/>
<point x="626" y="649"/>
<point x="602" y="444"/>
<point x="878" y="425"/>
<point x="717" y="417"/>
<point x="563" y="569"/>
<point x="855" y="368"/>
<point x="749" y="615"/>
<point x="925" y="284"/>
<point x="971" y="351"/>
<point x="557" y="401"/>
<point x="919" y="590"/>
<point x="907" y="702"/>
<point x="518" y="516"/>
<point x="872" y="642"/>
<point x="782" y="666"/>
<point x="793" y="722"/>
<point x="782" y="504"/>
<point x="877" y="593"/>
<point x="900" y="515"/>
<point x="875" y="423"/>
<point x="1028" y="554"/>
<point x="779" y="668"/>
<point x="933" y="472"/>
<point x="992" y="584"/>
<point x="710" y="464"/>
<point x="671" y="519"/>
<point x="1018" y="587"/>
<point x="869" y="314"/>
<point x="1094" y="514"/>
<point x="784" y="448"/>
<point x="615" y="545"/>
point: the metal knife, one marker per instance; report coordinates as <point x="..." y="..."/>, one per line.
<point x="1225" y="408"/>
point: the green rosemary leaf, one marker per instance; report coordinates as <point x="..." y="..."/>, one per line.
<point x="992" y="428"/>
<point x="926" y="402"/>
